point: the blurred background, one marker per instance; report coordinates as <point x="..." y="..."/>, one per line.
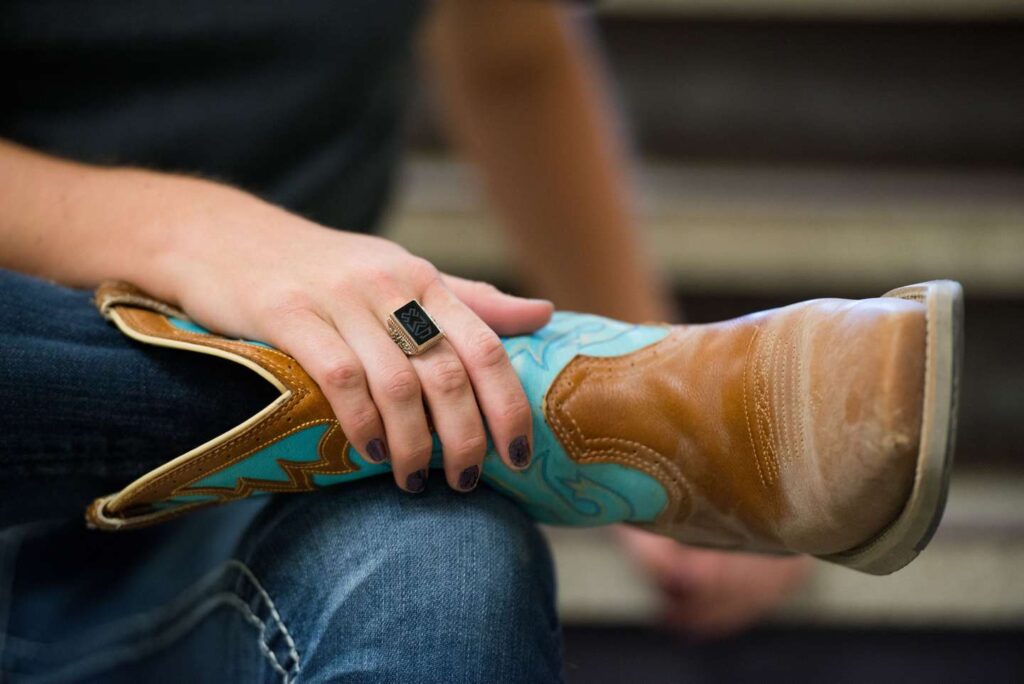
<point x="785" y="150"/>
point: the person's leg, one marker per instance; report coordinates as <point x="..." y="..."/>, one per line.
<point x="354" y="584"/>
<point x="375" y="585"/>
<point x="160" y="605"/>
<point x="84" y="410"/>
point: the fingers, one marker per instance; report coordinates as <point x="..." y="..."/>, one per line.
<point x="395" y="388"/>
<point x="320" y="350"/>
<point x="382" y="398"/>
<point x="504" y="313"/>
<point x="455" y="414"/>
<point x="441" y="380"/>
<point x="497" y="388"/>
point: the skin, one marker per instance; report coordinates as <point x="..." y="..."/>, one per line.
<point x="710" y="594"/>
<point x="523" y="98"/>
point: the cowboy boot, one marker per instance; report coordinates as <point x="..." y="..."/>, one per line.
<point x="825" y="427"/>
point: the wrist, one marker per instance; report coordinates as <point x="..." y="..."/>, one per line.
<point x="173" y="226"/>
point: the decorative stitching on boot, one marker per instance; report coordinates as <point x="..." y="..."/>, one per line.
<point x="179" y="479"/>
<point x="746" y="414"/>
<point x="616" y="450"/>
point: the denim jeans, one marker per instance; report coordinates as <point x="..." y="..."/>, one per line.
<point x="357" y="583"/>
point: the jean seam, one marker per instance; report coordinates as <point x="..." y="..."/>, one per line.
<point x="282" y="629"/>
<point x="175" y="629"/>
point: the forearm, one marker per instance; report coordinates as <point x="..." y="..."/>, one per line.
<point x="79" y="224"/>
<point x="541" y="130"/>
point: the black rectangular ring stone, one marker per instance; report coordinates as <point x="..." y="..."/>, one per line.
<point x="417" y="323"/>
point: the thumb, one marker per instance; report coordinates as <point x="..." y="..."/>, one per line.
<point x="504" y="313"/>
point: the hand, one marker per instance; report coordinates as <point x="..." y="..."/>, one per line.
<point x="247" y="269"/>
<point x="714" y="593"/>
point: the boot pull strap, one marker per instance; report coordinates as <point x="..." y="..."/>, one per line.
<point x="190" y="481"/>
<point x="114" y="293"/>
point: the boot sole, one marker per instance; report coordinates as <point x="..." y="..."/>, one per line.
<point x="907" y="536"/>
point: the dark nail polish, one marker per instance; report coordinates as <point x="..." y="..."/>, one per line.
<point x="519" y="452"/>
<point x="377" y="450"/>
<point x="469" y="477"/>
<point x="416" y="482"/>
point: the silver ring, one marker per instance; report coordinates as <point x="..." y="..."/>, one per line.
<point x="412" y="329"/>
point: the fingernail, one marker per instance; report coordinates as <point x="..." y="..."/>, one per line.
<point x="416" y="482"/>
<point x="519" y="452"/>
<point x="377" y="450"/>
<point x="469" y="477"/>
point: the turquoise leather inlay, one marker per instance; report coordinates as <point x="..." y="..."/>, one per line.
<point x="188" y="326"/>
<point x="300" y="446"/>
<point x="554" y="489"/>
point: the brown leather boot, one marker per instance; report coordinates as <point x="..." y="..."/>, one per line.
<point x="825" y="427"/>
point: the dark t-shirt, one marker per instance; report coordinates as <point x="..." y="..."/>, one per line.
<point x="298" y="101"/>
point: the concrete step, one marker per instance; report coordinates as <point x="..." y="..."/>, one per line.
<point x="971" y="575"/>
<point x="735" y="229"/>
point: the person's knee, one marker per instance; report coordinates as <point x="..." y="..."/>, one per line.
<point x="445" y="585"/>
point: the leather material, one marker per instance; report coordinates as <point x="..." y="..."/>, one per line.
<point x="300" y="406"/>
<point x="788" y="430"/>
